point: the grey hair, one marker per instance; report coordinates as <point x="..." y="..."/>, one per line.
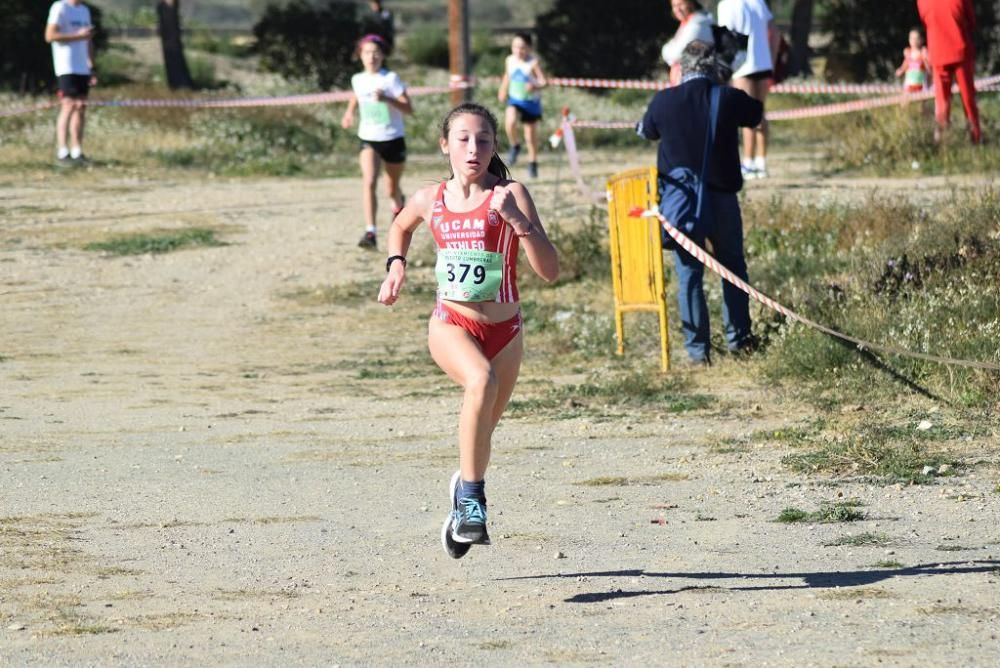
<point x="698" y="58"/>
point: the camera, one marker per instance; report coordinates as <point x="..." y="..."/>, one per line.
<point x="730" y="51"/>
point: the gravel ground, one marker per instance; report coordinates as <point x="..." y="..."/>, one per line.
<point x="194" y="469"/>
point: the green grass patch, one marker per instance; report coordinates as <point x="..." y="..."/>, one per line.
<point x="647" y="389"/>
<point x="887" y="271"/>
<point x="844" y="511"/>
<point x="865" y="539"/>
<point x="871" y="451"/>
<point x="900" y="141"/>
<point x="623" y="481"/>
<point x="356" y="293"/>
<point x="157" y="242"/>
<point x="953" y="548"/>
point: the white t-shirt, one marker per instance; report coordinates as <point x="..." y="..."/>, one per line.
<point x="749" y="17"/>
<point x="379" y="120"/>
<point x="698" y="28"/>
<point x="70" y="57"/>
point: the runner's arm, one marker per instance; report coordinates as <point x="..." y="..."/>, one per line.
<point x="502" y="91"/>
<point x="402" y="102"/>
<point x="902" y="68"/>
<point x="348" y="118"/>
<point x="400" y="234"/>
<point x="522" y="215"/>
<point x="539" y="80"/>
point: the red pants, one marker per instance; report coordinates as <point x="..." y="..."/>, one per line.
<point x="944" y="76"/>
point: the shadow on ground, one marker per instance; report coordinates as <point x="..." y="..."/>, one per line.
<point x="821" y="580"/>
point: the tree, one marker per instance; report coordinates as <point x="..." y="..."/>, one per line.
<point x="589" y="38"/>
<point x="798" y="61"/>
<point x="868" y="37"/>
<point x="300" y="41"/>
<point x="168" y="13"/>
<point x="25" y="58"/>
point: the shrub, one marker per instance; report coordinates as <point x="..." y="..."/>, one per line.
<point x="488" y="53"/>
<point x="868" y="37"/>
<point x="427" y="45"/>
<point x="923" y="282"/>
<point x="587" y="38"/>
<point x="300" y="41"/>
<point x="25" y="58"/>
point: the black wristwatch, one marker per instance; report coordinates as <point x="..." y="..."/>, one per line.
<point x="393" y="258"/>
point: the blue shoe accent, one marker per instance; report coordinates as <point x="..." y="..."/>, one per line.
<point x="454" y="549"/>
<point x="468" y="518"/>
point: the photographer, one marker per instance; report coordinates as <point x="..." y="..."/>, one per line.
<point x="679" y="118"/>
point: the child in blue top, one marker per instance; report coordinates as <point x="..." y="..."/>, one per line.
<point x="522" y="79"/>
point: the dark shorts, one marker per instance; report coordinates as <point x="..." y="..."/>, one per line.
<point x="392" y="151"/>
<point x="527" y="115"/>
<point x="760" y="76"/>
<point x="74" y="85"/>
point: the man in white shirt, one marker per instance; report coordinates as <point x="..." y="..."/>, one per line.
<point x="754" y="19"/>
<point x="70" y="32"/>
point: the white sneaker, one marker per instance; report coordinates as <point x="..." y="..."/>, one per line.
<point x="749" y="173"/>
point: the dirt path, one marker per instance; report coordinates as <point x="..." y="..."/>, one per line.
<point x="196" y="468"/>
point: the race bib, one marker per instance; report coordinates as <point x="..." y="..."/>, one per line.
<point x="468" y="275"/>
<point x="374" y="113"/>
<point x="518" y="89"/>
<point x="914" y="78"/>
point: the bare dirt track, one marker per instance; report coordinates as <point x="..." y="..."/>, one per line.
<point x="201" y="465"/>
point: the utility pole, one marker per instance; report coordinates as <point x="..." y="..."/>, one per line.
<point x="458" y="50"/>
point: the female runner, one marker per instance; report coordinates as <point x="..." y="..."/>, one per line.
<point x="479" y="219"/>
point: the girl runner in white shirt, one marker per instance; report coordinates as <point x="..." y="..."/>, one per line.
<point x="382" y="99"/>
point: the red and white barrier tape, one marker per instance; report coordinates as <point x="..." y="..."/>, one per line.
<point x="567" y="82"/>
<point x="703" y="256"/>
<point x="988" y="83"/>
<point x="460" y="82"/>
<point x="566" y="136"/>
<point x="801" y="88"/>
<point x="236" y="102"/>
<point x="6" y="113"/>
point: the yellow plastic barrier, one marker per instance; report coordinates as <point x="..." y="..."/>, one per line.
<point x="637" y="253"/>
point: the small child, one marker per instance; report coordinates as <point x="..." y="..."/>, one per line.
<point x="916" y="65"/>
<point x="480" y="219"/>
<point x="382" y="97"/>
<point x="522" y="78"/>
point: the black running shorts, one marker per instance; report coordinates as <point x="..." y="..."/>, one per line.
<point x="392" y="151"/>
<point x="74" y="86"/>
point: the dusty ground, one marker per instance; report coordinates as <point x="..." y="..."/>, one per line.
<point x="196" y="468"/>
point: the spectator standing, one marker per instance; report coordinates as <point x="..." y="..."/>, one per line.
<point x="950" y="26"/>
<point x="696" y="24"/>
<point x="70" y="32"/>
<point x="678" y="118"/>
<point x="754" y="19"/>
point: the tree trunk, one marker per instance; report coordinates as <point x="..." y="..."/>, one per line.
<point x="798" y="61"/>
<point x="169" y="23"/>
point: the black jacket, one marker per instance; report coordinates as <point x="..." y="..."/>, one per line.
<point x="678" y="117"/>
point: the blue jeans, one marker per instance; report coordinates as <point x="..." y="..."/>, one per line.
<point x="722" y="224"/>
